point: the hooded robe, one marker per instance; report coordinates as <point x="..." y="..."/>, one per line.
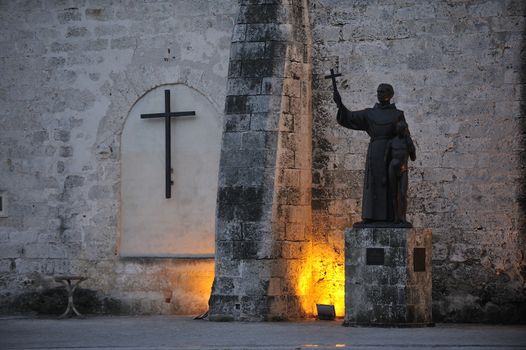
<point x="380" y="124"/>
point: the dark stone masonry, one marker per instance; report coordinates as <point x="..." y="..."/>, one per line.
<point x="263" y="223"/>
<point x="388" y="277"/>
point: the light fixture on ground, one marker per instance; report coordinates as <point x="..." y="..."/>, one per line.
<point x="326" y="312"/>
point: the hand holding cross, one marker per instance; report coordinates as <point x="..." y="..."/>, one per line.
<point x="336" y="95"/>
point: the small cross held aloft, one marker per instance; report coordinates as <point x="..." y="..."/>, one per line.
<point x="167" y="115"/>
<point x="333" y="77"/>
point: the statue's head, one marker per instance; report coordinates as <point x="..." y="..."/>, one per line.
<point x="401" y="128"/>
<point x="385" y="93"/>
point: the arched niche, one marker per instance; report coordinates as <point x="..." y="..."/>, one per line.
<point x="183" y="225"/>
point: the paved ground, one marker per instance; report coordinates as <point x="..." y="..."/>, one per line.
<point x="162" y="333"/>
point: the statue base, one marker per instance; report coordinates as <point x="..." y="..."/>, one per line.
<point x="388" y="277"/>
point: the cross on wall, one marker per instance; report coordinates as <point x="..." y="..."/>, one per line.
<point x="168" y="115"/>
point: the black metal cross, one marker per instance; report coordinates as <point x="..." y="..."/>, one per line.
<point x="167" y="115"/>
<point x="333" y="77"/>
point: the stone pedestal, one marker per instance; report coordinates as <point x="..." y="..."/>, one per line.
<point x="388" y="277"/>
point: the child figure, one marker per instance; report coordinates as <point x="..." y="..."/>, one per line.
<point x="397" y="152"/>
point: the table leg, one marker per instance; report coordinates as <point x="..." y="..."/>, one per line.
<point x="67" y="284"/>
<point x="71" y="306"/>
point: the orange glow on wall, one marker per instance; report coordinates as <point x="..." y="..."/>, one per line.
<point x="188" y="285"/>
<point x="322" y="280"/>
<point x="304" y="285"/>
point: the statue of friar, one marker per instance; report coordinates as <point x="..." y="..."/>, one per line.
<point x="380" y="123"/>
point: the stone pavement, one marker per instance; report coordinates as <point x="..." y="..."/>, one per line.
<point x="175" y="332"/>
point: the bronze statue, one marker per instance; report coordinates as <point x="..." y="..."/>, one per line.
<point x="397" y="152"/>
<point x="380" y="123"/>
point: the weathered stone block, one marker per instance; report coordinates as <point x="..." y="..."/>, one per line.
<point x="247" y="50"/>
<point x="257" y="68"/>
<point x="268" y="32"/>
<point x="236" y="104"/>
<point x="123" y="43"/>
<point x="275" y="49"/>
<point x="234" y="68"/>
<point x="245" y="250"/>
<point x="258" y="140"/>
<point x="224" y="307"/>
<point x="99" y="14"/>
<point x="387" y="284"/>
<point x="256" y="230"/>
<point x="244" y="86"/>
<point x="253" y="308"/>
<point x="263" y="104"/>
<point x="263" y="13"/>
<point x="236" y="122"/>
<point x="230" y="230"/>
<point x="239" y="33"/>
<point x="69" y="15"/>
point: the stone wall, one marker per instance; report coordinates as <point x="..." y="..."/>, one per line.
<point x="263" y="217"/>
<point x="456" y="69"/>
<point x="71" y="71"/>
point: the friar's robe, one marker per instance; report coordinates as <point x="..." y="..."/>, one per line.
<point x="380" y="123"/>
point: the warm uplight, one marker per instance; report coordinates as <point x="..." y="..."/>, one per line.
<point x="304" y="285"/>
<point x="324" y="274"/>
<point x="328" y="277"/>
<point x="187" y="285"/>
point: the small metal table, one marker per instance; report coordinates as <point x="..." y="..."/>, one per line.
<point x="71" y="285"/>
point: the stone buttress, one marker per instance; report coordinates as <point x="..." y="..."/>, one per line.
<point x="263" y="227"/>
